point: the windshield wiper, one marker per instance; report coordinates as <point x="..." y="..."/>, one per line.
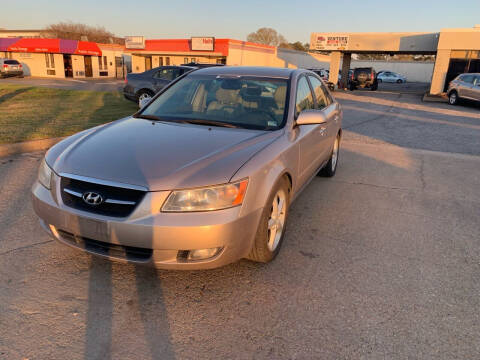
<point x="209" y="122"/>
<point x="148" y="117"/>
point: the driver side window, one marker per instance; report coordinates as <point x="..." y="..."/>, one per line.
<point x="304" y="99"/>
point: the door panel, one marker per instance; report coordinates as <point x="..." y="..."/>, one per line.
<point x="88" y="66"/>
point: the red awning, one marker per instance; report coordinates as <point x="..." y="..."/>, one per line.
<point x="36" y="45"/>
<point x="88" y="48"/>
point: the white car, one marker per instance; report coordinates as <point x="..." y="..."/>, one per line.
<point x="391" y="77"/>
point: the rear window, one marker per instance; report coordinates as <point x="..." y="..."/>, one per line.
<point x="360" y="70"/>
<point x="11" y="62"/>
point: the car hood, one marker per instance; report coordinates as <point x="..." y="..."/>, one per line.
<point x="158" y="155"/>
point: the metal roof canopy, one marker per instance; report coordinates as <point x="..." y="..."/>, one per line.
<point x="379" y="43"/>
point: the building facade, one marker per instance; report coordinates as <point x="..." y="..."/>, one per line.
<point x="59" y="58"/>
<point x="148" y="54"/>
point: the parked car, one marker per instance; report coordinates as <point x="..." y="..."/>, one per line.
<point x="201" y="65"/>
<point x="364" y="77"/>
<point x="323" y="73"/>
<point x="201" y="176"/>
<point x="141" y="86"/>
<point x="10" y="67"/>
<point x="391" y="77"/>
<point x="464" y="86"/>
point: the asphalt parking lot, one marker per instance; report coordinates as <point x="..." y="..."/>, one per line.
<point x="379" y="262"/>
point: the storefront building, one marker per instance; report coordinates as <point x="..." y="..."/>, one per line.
<point x="147" y="54"/>
<point x="59" y="58"/>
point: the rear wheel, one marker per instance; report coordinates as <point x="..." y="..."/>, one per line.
<point x="330" y="169"/>
<point x="352" y="87"/>
<point x="453" y="98"/>
<point x="144" y="94"/>
<point x="271" y="230"/>
<point x="374" y="86"/>
<point x="399" y="81"/>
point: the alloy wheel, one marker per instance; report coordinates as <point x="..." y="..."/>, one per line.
<point x="276" y="221"/>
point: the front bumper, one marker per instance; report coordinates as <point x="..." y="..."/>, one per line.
<point x="148" y="236"/>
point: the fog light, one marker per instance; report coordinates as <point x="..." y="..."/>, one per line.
<point x="202" y="254"/>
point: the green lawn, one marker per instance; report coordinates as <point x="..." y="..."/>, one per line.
<point x="31" y="113"/>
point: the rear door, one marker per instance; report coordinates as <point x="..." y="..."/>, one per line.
<point x="475" y="90"/>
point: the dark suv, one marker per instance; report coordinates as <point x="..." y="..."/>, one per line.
<point x="364" y="77"/>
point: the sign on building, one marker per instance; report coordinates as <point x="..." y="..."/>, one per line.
<point x="330" y="42"/>
<point x="134" y="42"/>
<point x="203" y="43"/>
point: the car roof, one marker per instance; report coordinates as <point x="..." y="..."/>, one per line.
<point x="246" y="71"/>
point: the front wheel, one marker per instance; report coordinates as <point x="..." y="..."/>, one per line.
<point x="399" y="81"/>
<point x="330" y="169"/>
<point x="271" y="230"/>
<point x="453" y="98"/>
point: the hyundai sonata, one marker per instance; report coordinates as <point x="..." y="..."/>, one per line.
<point x="201" y="176"/>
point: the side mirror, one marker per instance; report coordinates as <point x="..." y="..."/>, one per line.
<point x="143" y="102"/>
<point x="309" y="117"/>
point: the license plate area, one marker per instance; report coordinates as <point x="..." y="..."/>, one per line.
<point x="85" y="227"/>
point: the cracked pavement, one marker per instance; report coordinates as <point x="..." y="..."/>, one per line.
<point x="380" y="262"/>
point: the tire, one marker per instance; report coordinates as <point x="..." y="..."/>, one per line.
<point x="330" y="168"/>
<point x="399" y="81"/>
<point x="352" y="87"/>
<point x="266" y="245"/>
<point x="374" y="87"/>
<point x="144" y="94"/>
<point x="453" y="98"/>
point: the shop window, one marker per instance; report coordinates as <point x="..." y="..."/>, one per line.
<point x="50" y="64"/>
<point x="185" y="60"/>
<point x="167" y="60"/>
<point x="160" y="61"/>
<point x="193" y="60"/>
<point x="102" y="65"/>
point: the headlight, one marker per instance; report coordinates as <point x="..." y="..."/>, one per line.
<point x="44" y="174"/>
<point x="206" y="199"/>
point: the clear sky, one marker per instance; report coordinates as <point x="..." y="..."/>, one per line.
<point x="235" y="19"/>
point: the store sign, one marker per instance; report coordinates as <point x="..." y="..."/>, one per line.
<point x="331" y="42"/>
<point x="134" y="42"/>
<point x="203" y="43"/>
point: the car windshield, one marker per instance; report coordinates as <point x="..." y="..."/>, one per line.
<point x="231" y="101"/>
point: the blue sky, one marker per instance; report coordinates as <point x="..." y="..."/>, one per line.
<point x="235" y="19"/>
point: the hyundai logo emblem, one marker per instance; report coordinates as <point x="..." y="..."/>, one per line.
<point x="92" y="198"/>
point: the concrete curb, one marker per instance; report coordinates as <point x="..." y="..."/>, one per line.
<point x="434" y="98"/>
<point x="28" y="146"/>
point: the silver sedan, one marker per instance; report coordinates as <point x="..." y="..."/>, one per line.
<point x="391" y="77"/>
<point x="202" y="176"/>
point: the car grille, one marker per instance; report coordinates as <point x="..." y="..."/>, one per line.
<point x="106" y="249"/>
<point x="117" y="201"/>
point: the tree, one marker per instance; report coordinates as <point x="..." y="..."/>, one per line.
<point x="77" y="31"/>
<point x="267" y="36"/>
<point x="297" y="45"/>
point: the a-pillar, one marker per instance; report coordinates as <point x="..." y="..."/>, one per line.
<point x="440" y="70"/>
